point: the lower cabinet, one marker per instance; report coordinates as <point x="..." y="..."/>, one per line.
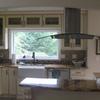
<point x="8" y="81"/>
<point x="12" y="81"/>
<point x="77" y="73"/>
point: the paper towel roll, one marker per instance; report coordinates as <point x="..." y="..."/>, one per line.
<point x="13" y="59"/>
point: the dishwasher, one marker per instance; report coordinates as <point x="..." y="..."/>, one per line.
<point x="59" y="73"/>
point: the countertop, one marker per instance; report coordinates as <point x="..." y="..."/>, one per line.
<point x="45" y="66"/>
<point x="57" y="66"/>
<point x="50" y="66"/>
<point x="8" y="65"/>
<point x="97" y="74"/>
<point x="67" y="85"/>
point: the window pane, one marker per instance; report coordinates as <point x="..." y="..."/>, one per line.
<point x="25" y="43"/>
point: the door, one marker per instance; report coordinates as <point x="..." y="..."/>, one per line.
<point x="14" y="21"/>
<point x="0" y="80"/>
<point x="5" y="80"/>
<point x="2" y="30"/>
<point x="52" y="20"/>
<point x="33" y="20"/>
<point x="12" y="81"/>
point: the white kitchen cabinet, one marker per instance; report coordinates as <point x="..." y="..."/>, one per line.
<point x="77" y="73"/>
<point x="52" y="20"/>
<point x="13" y="81"/>
<point x="8" y="81"/>
<point x="0" y="80"/>
<point x="33" y="20"/>
<point x="5" y="84"/>
<point x="75" y="22"/>
<point x="2" y="33"/>
<point x="14" y="21"/>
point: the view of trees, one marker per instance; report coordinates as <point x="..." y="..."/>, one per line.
<point x="27" y="43"/>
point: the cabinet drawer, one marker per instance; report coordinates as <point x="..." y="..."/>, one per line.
<point x="77" y="72"/>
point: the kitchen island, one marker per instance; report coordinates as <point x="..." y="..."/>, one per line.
<point x="55" y="89"/>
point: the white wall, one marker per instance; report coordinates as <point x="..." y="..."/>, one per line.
<point x="5" y="4"/>
<point x="93" y="28"/>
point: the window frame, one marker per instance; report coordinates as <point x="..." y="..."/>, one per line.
<point x="11" y="39"/>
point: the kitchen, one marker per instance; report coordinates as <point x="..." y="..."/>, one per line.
<point x="88" y="72"/>
<point x="92" y="57"/>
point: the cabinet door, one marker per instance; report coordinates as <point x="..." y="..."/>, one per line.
<point x="14" y="21"/>
<point x="33" y="20"/>
<point x="77" y="73"/>
<point x="52" y="20"/>
<point x="0" y="80"/>
<point x="2" y="28"/>
<point x="5" y="80"/>
<point x="12" y="81"/>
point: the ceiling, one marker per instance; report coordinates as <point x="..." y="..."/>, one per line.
<point x="87" y="4"/>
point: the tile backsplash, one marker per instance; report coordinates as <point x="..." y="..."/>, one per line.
<point x="4" y="56"/>
<point x="73" y="54"/>
<point x="67" y="57"/>
<point x="4" y="53"/>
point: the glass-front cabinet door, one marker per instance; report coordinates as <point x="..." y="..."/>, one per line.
<point x="52" y="20"/>
<point x="14" y="21"/>
<point x="33" y="20"/>
<point x="2" y="28"/>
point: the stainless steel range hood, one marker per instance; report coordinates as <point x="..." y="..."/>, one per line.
<point x="72" y="36"/>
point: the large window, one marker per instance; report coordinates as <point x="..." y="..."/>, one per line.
<point x="26" y="41"/>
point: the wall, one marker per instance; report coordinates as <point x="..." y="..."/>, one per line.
<point x="5" y="4"/>
<point x="93" y="28"/>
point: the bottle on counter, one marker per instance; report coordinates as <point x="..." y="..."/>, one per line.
<point x="13" y="59"/>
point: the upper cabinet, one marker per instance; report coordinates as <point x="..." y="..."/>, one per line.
<point x="33" y="21"/>
<point x="75" y="22"/>
<point x="2" y="30"/>
<point x="52" y="20"/>
<point x="14" y="21"/>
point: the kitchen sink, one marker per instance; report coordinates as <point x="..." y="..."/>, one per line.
<point x="38" y="66"/>
<point x="32" y="64"/>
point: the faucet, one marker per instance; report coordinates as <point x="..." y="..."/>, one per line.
<point x="33" y="56"/>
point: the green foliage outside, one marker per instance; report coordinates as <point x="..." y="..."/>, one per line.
<point x="26" y="43"/>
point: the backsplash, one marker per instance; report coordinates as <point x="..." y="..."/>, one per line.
<point x="4" y="53"/>
<point x="4" y="56"/>
<point x="73" y="54"/>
